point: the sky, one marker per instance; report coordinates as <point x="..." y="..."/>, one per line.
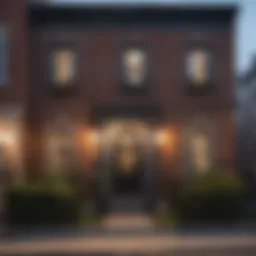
<point x="245" y="33"/>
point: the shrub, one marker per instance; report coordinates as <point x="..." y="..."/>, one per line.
<point x="212" y="198"/>
<point x="41" y="204"/>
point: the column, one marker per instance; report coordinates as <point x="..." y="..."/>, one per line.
<point x="150" y="191"/>
<point x="104" y="177"/>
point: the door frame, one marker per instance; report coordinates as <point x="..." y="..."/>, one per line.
<point x="104" y="190"/>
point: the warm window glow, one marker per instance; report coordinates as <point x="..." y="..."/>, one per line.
<point x="60" y="146"/>
<point x="7" y="137"/>
<point x="64" y="67"/>
<point x="61" y="152"/>
<point x="200" y="152"/>
<point x="134" y="64"/>
<point x="91" y="138"/>
<point x="198" y="66"/>
<point x="8" y="148"/>
<point x="163" y="138"/>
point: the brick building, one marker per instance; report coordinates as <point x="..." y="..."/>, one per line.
<point x="134" y="96"/>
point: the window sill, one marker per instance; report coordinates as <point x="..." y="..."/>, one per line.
<point x="141" y="89"/>
<point x="58" y="90"/>
<point x="193" y="89"/>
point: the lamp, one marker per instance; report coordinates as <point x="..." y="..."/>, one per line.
<point x="91" y="140"/>
<point x="93" y="137"/>
<point x="162" y="137"/>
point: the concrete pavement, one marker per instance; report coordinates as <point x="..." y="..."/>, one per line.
<point x="129" y="244"/>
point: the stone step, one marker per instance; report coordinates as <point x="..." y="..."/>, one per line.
<point x="128" y="222"/>
<point x="127" y="205"/>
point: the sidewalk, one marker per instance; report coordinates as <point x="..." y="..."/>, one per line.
<point x="130" y="243"/>
<point x="126" y="234"/>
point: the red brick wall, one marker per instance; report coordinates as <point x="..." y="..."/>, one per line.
<point x="13" y="15"/>
<point x="14" y="94"/>
<point x="99" y="53"/>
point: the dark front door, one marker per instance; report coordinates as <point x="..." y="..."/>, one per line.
<point x="127" y="183"/>
<point x="127" y="190"/>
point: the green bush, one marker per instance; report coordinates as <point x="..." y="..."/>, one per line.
<point x="212" y="198"/>
<point x="41" y="204"/>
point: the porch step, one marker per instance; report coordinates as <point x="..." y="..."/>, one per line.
<point x="122" y="222"/>
<point x="127" y="205"/>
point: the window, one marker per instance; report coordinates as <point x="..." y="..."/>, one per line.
<point x="199" y="67"/>
<point x="63" y="67"/>
<point x="200" y="152"/>
<point x="10" y="153"/>
<point x="3" y="56"/>
<point x="60" y="147"/>
<point x="200" y="146"/>
<point x="134" y="64"/>
<point x="64" y="152"/>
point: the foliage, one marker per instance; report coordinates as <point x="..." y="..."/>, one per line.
<point x="41" y="203"/>
<point x="217" y="197"/>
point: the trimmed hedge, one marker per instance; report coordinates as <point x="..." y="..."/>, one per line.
<point x="212" y="198"/>
<point x="41" y="204"/>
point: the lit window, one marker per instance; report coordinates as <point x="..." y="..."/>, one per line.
<point x="198" y="67"/>
<point x="200" y="152"/>
<point x="134" y="64"/>
<point x="3" y="56"/>
<point x="61" y="152"/>
<point x="63" y="67"/>
<point x="60" y="144"/>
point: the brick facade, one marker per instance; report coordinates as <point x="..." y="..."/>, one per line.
<point x="99" y="48"/>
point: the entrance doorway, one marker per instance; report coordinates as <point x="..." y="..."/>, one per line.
<point x="127" y="160"/>
<point x="127" y="184"/>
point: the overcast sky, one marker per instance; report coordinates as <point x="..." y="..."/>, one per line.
<point x="245" y="24"/>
